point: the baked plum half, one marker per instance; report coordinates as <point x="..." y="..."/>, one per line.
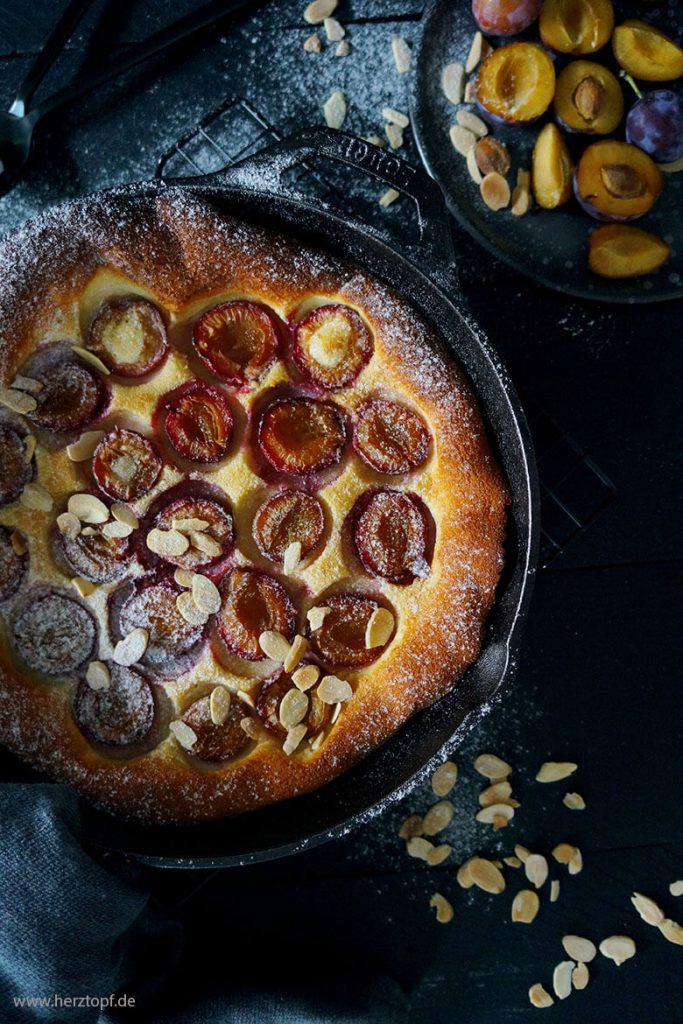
<point x="125" y="465"/>
<point x="341" y="639"/>
<point x="615" y="181"/>
<point x="198" y="422"/>
<point x="576" y="26"/>
<point x="393" y="533"/>
<point x="150" y="604"/>
<point x="129" y="336"/>
<point x="93" y="556"/>
<point x="120" y="714"/>
<point x="516" y="83"/>
<point x="646" y="52"/>
<point x="253" y="603"/>
<point x="13" y="564"/>
<point x="390" y="437"/>
<point x="53" y="633"/>
<point x="620" y="251"/>
<point x="551" y="169"/>
<point x="206" y="525"/>
<point x="505" y="17"/>
<point x="269" y="699"/>
<point x="300" y="436"/>
<point x="15" y="469"/>
<point x="73" y="394"/>
<point x="216" y="741"/>
<point x="237" y="341"/>
<point x="331" y="346"/>
<point x="290" y="517"/>
<point x="588" y="98"/>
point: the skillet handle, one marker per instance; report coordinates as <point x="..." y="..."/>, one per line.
<point x="264" y="172"/>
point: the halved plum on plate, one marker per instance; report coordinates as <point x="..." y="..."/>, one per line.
<point x="576" y="26"/>
<point x="331" y="346"/>
<point x="237" y="341"/>
<point x="615" y="181"/>
<point x="551" y="169"/>
<point x="73" y="394"/>
<point x="505" y="17"/>
<point x="129" y="336"/>
<point x="620" y="251"/>
<point x="588" y="98"/>
<point x="646" y="52"/>
<point x="516" y="83"/>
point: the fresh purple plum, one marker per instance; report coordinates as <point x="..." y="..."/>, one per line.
<point x="655" y="125"/>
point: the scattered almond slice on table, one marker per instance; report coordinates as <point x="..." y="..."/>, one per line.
<point x="437" y="818"/>
<point x="389" y="197"/>
<point x="580" y="976"/>
<point x="453" y="82"/>
<point x="579" y="949"/>
<point x="492" y="767"/>
<point x="335" y="110"/>
<point x="317" y="11"/>
<point x="444" y="910"/>
<point x="676" y="888"/>
<point x="539" y="997"/>
<point x="525" y="906"/>
<point x="402" y="54"/>
<point x="554" y="771"/>
<point x="650" y="912"/>
<point x="618" y="948"/>
<point x="445" y="778"/>
<point x="562" y="979"/>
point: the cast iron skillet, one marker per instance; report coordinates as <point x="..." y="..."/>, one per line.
<point x="255" y="190"/>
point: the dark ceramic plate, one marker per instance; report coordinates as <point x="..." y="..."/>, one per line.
<point x="549" y="246"/>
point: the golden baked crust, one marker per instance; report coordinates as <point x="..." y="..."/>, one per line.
<point x="182" y="255"/>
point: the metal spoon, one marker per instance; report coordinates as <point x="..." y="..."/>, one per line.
<point x="18" y="124"/>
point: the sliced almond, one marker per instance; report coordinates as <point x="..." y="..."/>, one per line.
<point x="444" y="910"/>
<point x="402" y="54"/>
<point x="439" y="854"/>
<point x="334" y="30"/>
<point x="167" y="543"/>
<point x="521" y="199"/>
<point x="618" y="948"/>
<point x="333" y="690"/>
<point x="84" y="448"/>
<point x="576" y="862"/>
<point x="116" y="529"/>
<point x="295" y="654"/>
<point x="294" y="738"/>
<point x="19" y="545"/>
<point x="495" y="191"/>
<point x="292" y="557"/>
<point x="125" y="515"/>
<point x="379" y="628"/>
<point x="394" y="134"/>
<point x="580" y="976"/>
<point x="68" y="525"/>
<point x="219" y="704"/>
<point x="539" y="997"/>
<point x="562" y="979"/>
<point x="536" y="869"/>
<point x="470" y="94"/>
<point x="317" y="11"/>
<point x="88" y="508"/>
<point x="554" y="890"/>
<point x="579" y="949"/>
<point x="574" y="801"/>
<point x="412" y="826"/>
<point x="444" y="778"/>
<point x="251" y="727"/>
<point x="650" y="912"/>
<point x="336" y="712"/>
<point x="474" y="124"/>
<point x="35" y="497"/>
<point x="30" y="445"/>
<point x="486" y="875"/>
<point x="389" y="197"/>
<point x="83" y="587"/>
<point x="512" y="862"/>
<point x="676" y="888"/>
<point x="554" y="771"/>
<point x="376" y="140"/>
<point x="419" y="847"/>
<point x="18" y="401"/>
<point x="246" y="698"/>
<point x="185" y="736"/>
<point x="343" y="48"/>
<point x="453" y="82"/>
<point x="564" y="852"/>
<point x="479" y="51"/>
<point x="437" y="818"/>
<point x="306" y="677"/>
<point x="33" y="387"/>
<point x="190" y="524"/>
<point x="472" y="167"/>
<point x="205" y="543"/>
<point x="462" y="139"/>
<point x="317" y="741"/>
<point x="131" y="648"/>
<point x="185" y="603"/>
<point x="672" y="931"/>
<point x="293" y="708"/>
<point x="335" y="110"/>
<point x="93" y="360"/>
<point x="463" y="876"/>
<point x="274" y="645"/>
<point x="525" y="906"/>
<point x="313" y="44"/>
<point x="183" y="577"/>
<point x="316" y="616"/>
<point x="98" y="676"/>
<point x="498" y="793"/>
<point x="522" y="853"/>
<point x="487" y="815"/>
<point x="205" y="594"/>
<point x="492" y="767"/>
<point x="395" y="117"/>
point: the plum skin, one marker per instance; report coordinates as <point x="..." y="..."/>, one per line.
<point x="505" y="17"/>
<point x="655" y="125"/>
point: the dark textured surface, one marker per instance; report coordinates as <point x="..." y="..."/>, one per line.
<point x="600" y="675"/>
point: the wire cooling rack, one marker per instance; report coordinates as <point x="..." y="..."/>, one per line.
<point x="574" y="490"/>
